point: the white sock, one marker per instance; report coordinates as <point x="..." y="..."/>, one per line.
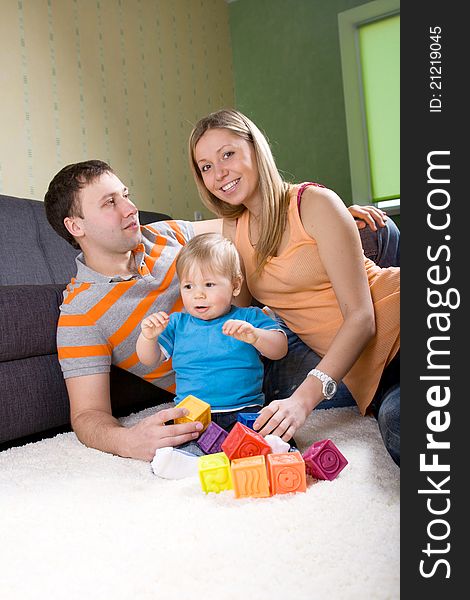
<point x="278" y="446"/>
<point x="171" y="463"/>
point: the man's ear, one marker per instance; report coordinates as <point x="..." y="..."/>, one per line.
<point x="73" y="226"/>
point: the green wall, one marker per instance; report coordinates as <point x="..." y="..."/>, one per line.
<point x="287" y="72"/>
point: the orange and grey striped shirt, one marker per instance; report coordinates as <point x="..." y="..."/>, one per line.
<point x="100" y="316"/>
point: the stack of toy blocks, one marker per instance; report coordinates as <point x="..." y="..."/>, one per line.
<point x="198" y="411"/>
<point x="323" y="460"/>
<point x="242" y="460"/>
<point x="248" y="465"/>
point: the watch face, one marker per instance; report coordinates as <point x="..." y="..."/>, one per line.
<point x="330" y="389"/>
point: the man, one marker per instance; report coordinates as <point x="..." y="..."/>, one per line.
<point x="124" y="272"/>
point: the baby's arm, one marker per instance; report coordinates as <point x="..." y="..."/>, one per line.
<point x="271" y="343"/>
<point x="147" y="346"/>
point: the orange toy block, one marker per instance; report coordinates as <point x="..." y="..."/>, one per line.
<point x="249" y="477"/>
<point x="198" y="411"/>
<point x="286" y="472"/>
<point x="243" y="441"/>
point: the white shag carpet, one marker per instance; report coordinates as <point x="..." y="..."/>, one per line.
<point x="76" y="523"/>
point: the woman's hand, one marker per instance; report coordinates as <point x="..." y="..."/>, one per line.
<point x="368" y="215"/>
<point x="282" y="418"/>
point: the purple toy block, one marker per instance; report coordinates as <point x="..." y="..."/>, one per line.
<point x="247" y="418"/>
<point x="211" y="440"/>
<point x="323" y="460"/>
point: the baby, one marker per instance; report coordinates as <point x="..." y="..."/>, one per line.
<point x="215" y="347"/>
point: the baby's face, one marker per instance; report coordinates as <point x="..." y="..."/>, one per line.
<point x="206" y="294"/>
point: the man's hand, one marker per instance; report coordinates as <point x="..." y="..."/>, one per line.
<point x="240" y="330"/>
<point x="151" y="433"/>
<point x="154" y="324"/>
<point x="368" y="215"/>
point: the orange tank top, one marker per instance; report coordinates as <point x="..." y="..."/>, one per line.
<point x="296" y="286"/>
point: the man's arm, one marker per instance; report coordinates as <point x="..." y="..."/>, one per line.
<point x="209" y="226"/>
<point x="94" y="425"/>
<point x="365" y="216"/>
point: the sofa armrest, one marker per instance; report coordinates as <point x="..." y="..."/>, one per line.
<point x="28" y="320"/>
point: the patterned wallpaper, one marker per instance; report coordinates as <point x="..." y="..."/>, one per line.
<point x="119" y="80"/>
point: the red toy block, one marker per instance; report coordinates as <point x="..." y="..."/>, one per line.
<point x="323" y="460"/>
<point x="286" y="472"/>
<point x="243" y="441"/>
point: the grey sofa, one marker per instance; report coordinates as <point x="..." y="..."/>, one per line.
<point x="35" y="266"/>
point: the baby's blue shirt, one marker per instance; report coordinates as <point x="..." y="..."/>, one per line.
<point x="216" y="368"/>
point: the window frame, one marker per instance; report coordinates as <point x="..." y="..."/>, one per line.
<point x="349" y="22"/>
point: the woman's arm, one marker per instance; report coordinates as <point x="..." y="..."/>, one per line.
<point x="327" y="220"/>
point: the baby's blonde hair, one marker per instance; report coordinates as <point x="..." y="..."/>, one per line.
<point x="213" y="252"/>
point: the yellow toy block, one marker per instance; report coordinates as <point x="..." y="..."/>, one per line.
<point x="249" y="477"/>
<point x="214" y="472"/>
<point x="286" y="472"/>
<point x="198" y="411"/>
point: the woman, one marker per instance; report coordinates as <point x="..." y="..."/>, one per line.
<point x="303" y="258"/>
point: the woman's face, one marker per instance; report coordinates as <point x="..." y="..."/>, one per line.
<point x="228" y="168"/>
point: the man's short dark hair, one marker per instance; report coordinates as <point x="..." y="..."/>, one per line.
<point x="62" y="196"/>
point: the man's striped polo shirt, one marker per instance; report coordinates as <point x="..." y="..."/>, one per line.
<point x="100" y="316"/>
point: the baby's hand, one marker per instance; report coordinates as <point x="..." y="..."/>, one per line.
<point x="240" y="330"/>
<point x="154" y="324"/>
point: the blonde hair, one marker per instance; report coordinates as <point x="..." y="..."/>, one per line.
<point x="210" y="251"/>
<point x="273" y="189"/>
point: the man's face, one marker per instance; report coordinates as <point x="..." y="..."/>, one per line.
<point x="110" y="221"/>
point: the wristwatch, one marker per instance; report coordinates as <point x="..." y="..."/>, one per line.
<point x="329" y="385"/>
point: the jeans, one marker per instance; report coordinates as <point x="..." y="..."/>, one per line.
<point x="386" y="408"/>
<point x="282" y="377"/>
<point x="382" y="246"/>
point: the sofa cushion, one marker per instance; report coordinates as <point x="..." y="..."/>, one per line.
<point x="30" y="250"/>
<point x="28" y="320"/>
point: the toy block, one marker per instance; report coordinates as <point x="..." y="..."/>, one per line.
<point x="214" y="472"/>
<point x="243" y="441"/>
<point x="249" y="477"/>
<point x="286" y="472"/>
<point x="211" y="440"/>
<point x="247" y="418"/>
<point x="198" y="411"/>
<point x="323" y="460"/>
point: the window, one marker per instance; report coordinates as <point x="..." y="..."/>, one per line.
<point x="370" y="56"/>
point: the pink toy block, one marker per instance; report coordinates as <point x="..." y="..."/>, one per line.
<point x="323" y="460"/>
<point x="286" y="472"/>
<point x="243" y="441"/>
<point x="249" y="477"/>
